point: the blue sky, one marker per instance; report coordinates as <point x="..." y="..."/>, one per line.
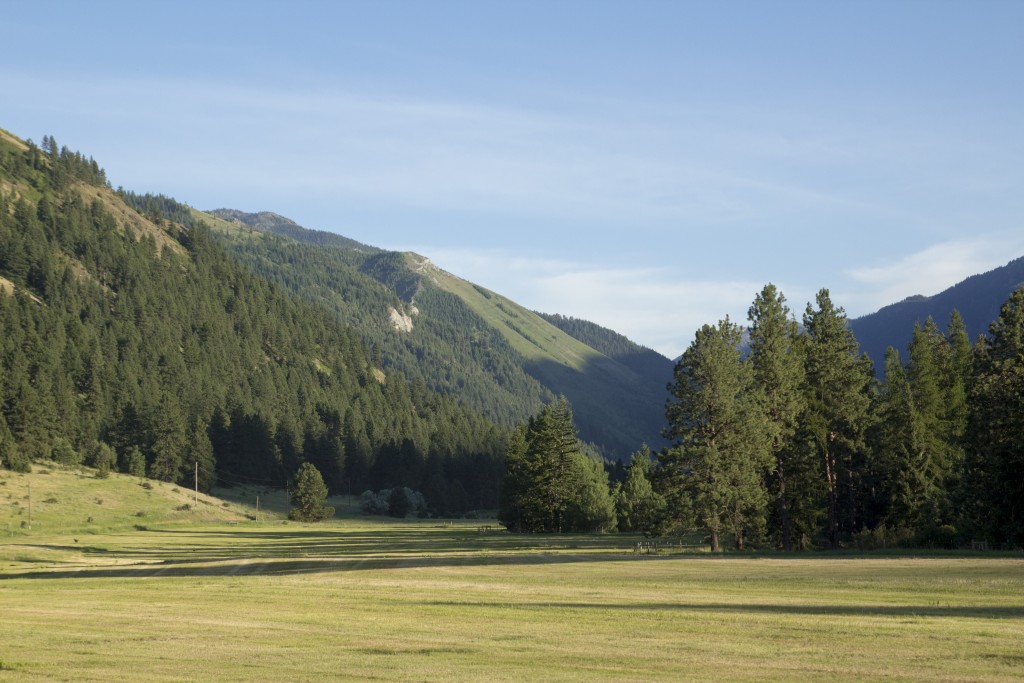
<point x="646" y="165"/>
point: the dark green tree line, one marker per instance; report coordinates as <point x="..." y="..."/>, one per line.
<point x="550" y="485"/>
<point x="798" y="432"/>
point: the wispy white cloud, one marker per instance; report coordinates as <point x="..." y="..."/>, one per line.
<point x="652" y="306"/>
<point x="662" y="308"/>
<point x="927" y="272"/>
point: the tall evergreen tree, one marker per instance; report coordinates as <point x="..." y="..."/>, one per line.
<point x="11" y="456"/>
<point x="516" y="484"/>
<point x="992" y="502"/>
<point x="839" y="385"/>
<point x="894" y="442"/>
<point x="934" y="438"/>
<point x="552" y="444"/>
<point x="777" y="358"/>
<point x="722" y="445"/>
<point x="198" y="457"/>
<point x="638" y="506"/>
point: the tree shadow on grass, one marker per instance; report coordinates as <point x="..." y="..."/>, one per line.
<point x="217" y="545"/>
<point x="261" y="565"/>
<point x="962" y="611"/>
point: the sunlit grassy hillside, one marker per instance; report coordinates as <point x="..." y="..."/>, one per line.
<point x="56" y="500"/>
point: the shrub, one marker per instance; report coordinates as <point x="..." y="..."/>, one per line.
<point x="398" y="502"/>
<point x="11" y="456"/>
<point x="380" y="503"/>
<point x="134" y="462"/>
<point x="882" y="537"/>
<point x="103" y="458"/>
<point x="944" y="536"/>
<point x="64" y="454"/>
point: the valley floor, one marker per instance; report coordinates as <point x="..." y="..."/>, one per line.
<point x="383" y="600"/>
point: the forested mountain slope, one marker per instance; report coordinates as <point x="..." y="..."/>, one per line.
<point x="129" y="333"/>
<point x="459" y="338"/>
<point x="978" y="299"/>
<point x="640" y="359"/>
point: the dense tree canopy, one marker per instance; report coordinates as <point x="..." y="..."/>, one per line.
<point x="549" y="484"/>
<point x="931" y="455"/>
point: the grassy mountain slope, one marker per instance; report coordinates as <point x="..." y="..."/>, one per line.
<point x="616" y="408"/>
<point x="455" y="336"/>
<point x="644" y="361"/>
<point x="73" y="501"/>
<point x="978" y="299"/>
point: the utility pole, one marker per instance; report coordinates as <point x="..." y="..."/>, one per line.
<point x="257" y="509"/>
<point x="30" y="506"/>
<point x="197" y="483"/>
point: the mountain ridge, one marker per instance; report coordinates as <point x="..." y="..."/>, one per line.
<point x="978" y="299"/>
<point x="491" y="330"/>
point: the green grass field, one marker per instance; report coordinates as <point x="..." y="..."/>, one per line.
<point x="375" y="599"/>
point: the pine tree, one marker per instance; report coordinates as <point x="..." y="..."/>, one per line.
<point x="776" y="355"/>
<point x="552" y="442"/>
<point x="11" y="456"/>
<point x="165" y="435"/>
<point x="134" y="462"/>
<point x="722" y="444"/>
<point x="837" y="415"/>
<point x="398" y="502"/>
<point x="103" y="458"/>
<point x="992" y="498"/>
<point x="199" y="454"/>
<point x="308" y="495"/>
<point x="933" y="436"/>
<point x="894" y="441"/>
<point x="515" y="482"/>
<point x="638" y="506"/>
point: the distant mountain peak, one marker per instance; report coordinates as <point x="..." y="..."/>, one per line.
<point x="274" y="223"/>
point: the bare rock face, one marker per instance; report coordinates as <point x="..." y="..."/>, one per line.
<point x="401" y="321"/>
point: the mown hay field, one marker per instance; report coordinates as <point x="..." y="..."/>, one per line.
<point x="431" y="601"/>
